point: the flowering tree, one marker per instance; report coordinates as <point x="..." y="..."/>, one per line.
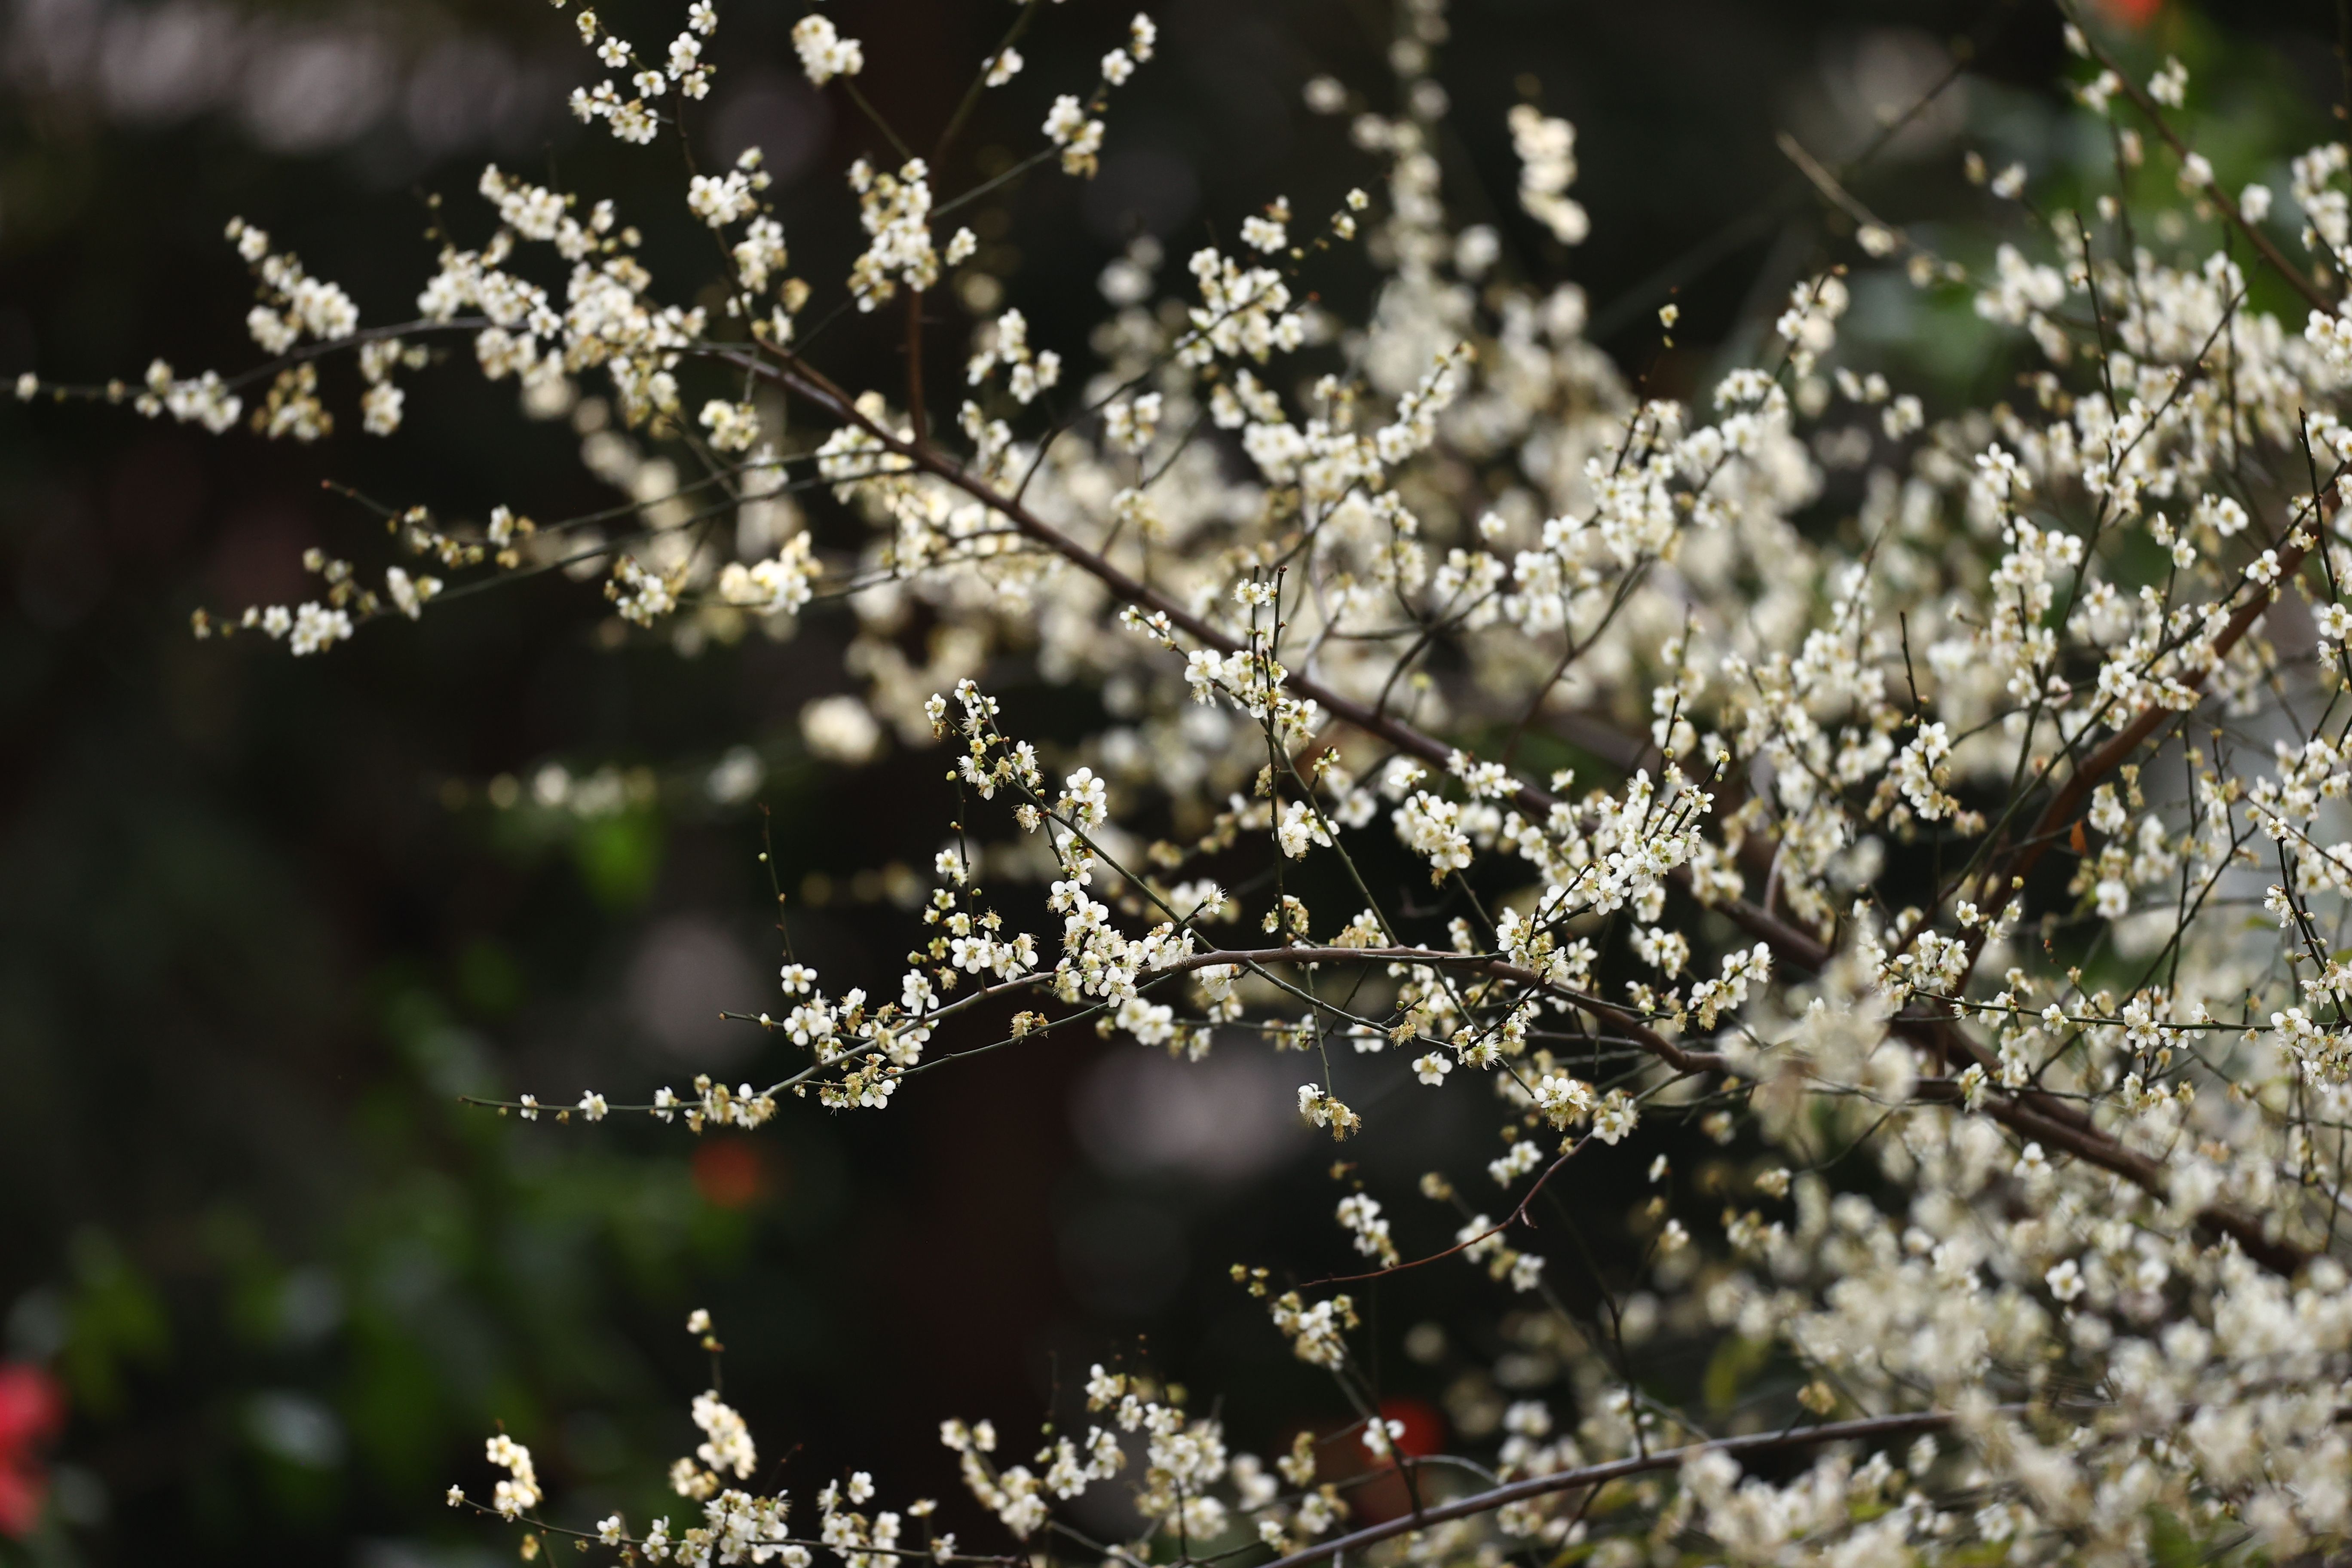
<point x="1968" y="872"/>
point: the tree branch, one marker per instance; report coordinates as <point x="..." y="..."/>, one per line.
<point x="2052" y="1123"/>
<point x="2312" y="293"/>
<point x="1650" y="1040"/>
<point x="1790" y="943"/>
<point x="1863" y="1430"/>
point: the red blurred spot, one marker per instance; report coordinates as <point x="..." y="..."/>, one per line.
<point x="729" y="1172"/>
<point x="1384" y="1495"/>
<point x="32" y="1407"/>
<point x="1424" y="1429"/>
<point x="2130" y="13"/>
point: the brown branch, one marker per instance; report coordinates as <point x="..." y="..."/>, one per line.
<point x="2311" y="292"/>
<point x="971" y="94"/>
<point x="1832" y="189"/>
<point x="2142" y="1171"/>
<point x="1642" y="1035"/>
<point x="1467" y="1242"/>
<point x="2055" y="816"/>
<point x="2038" y="1116"/>
<point x="916" y="420"/>
<point x="1788" y="941"/>
<point x="1863" y="1430"/>
<point x="2053" y="1122"/>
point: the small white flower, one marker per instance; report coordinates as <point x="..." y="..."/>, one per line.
<point x="825" y="53"/>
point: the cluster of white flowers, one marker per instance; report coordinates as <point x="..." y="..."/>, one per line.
<point x="519" y="1492"/>
<point x="1005" y="342"/>
<point x="298" y="304"/>
<point x="784" y="582"/>
<point x="1546" y="149"/>
<point x="896" y="212"/>
<point x="1964" y="853"/>
<point x="629" y="114"/>
<point x="825" y="53"/>
<point x="204" y="399"/>
<point x="1076" y="127"/>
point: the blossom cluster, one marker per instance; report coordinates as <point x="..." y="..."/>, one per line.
<point x="1939" y="814"/>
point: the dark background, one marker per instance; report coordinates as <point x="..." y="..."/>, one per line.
<point x="259" y="929"/>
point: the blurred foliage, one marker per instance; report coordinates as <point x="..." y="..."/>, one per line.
<point x="260" y="928"/>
